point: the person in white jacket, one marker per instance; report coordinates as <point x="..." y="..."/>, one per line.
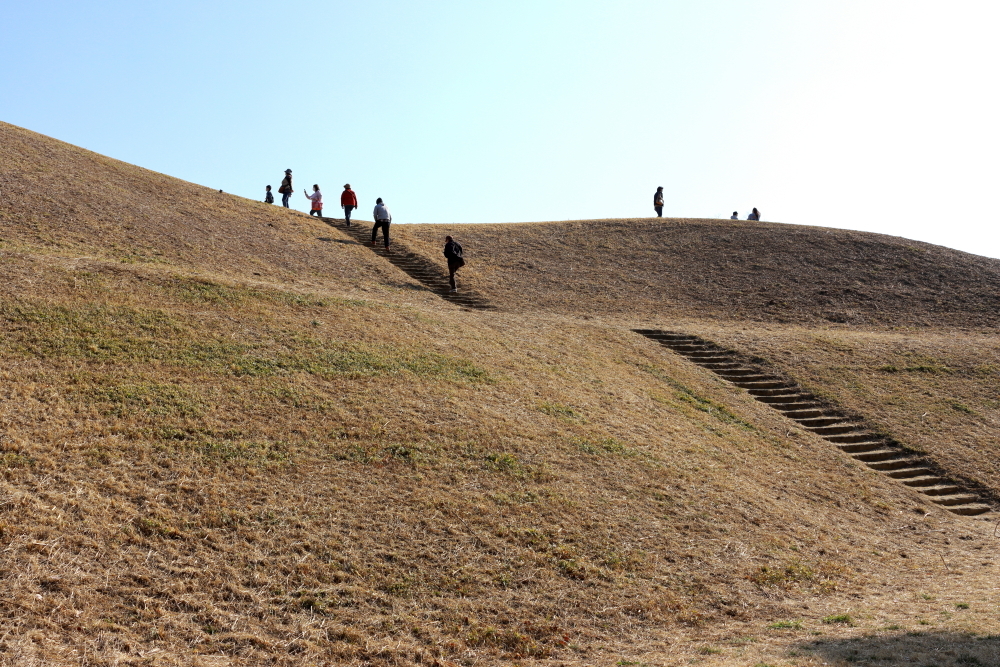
<point x="382" y="219"/>
<point x="317" y="201"/>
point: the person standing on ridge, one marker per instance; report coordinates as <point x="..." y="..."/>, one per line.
<point x="285" y="189"/>
<point x="453" y="252"/>
<point x="658" y="202"/>
<point x="736" y="216"/>
<point x="268" y="197"/>
<point x="754" y="215"/>
<point x="382" y="219"/>
<point x="317" y="201"/>
<point x="348" y="202"/>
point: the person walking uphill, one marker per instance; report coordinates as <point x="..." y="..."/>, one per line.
<point x="658" y="202"/>
<point x="348" y="202"/>
<point x="382" y="219"/>
<point x="453" y="252"/>
<point x="317" y="201"/>
<point x="285" y="189"/>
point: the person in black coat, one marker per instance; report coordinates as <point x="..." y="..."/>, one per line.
<point x="453" y="253"/>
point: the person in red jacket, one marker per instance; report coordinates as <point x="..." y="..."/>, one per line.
<point x="348" y="202"/>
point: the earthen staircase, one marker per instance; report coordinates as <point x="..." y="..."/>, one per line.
<point x="848" y="433"/>
<point x="416" y="266"/>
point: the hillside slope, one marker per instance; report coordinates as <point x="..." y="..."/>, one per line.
<point x="327" y="464"/>
<point x="736" y="270"/>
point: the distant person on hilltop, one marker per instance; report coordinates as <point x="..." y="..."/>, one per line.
<point x="317" y="201"/>
<point x="754" y="215"/>
<point x="453" y="252"/>
<point x="382" y="219"/>
<point x="285" y="189"/>
<point x="736" y="216"/>
<point x="658" y="202"/>
<point x="348" y="202"/>
<point x="268" y="197"/>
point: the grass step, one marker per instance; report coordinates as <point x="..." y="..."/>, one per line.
<point x="817" y="422"/>
<point x="786" y="398"/>
<point x="910" y="472"/>
<point x="972" y="509"/>
<point x="924" y="480"/>
<point x="855" y="447"/>
<point x="955" y="499"/>
<point x="808" y="413"/>
<point x="940" y="490"/>
<point x="883" y="454"/>
<point x="795" y="407"/>
<point x="861" y="436"/>
<point x="895" y="464"/>
<point x="835" y="429"/>
<point x="758" y="381"/>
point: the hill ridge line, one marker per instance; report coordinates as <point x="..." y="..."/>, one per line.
<point x="849" y="433"/>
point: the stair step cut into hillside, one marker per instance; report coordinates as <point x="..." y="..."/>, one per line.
<point x="416" y="266"/>
<point x="849" y="433"/>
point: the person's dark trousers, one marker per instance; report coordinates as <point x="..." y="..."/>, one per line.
<point x="659" y="211"/>
<point x="318" y="212"/>
<point x="347" y="214"/>
<point x="453" y="267"/>
<point x="384" y="224"/>
<point x="285" y="196"/>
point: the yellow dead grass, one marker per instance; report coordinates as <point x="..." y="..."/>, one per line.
<point x="325" y="464"/>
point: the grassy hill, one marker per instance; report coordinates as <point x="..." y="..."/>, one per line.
<point x="734" y="270"/>
<point x="231" y="435"/>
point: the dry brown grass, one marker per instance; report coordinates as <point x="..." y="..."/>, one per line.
<point x="742" y="271"/>
<point x="325" y="464"/>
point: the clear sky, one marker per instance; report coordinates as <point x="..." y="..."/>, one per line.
<point x="870" y="114"/>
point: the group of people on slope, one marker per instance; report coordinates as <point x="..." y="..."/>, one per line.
<point x="658" y="207"/>
<point x="348" y="200"/>
<point x="383" y="218"/>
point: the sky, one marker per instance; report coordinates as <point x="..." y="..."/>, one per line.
<point x="879" y="115"/>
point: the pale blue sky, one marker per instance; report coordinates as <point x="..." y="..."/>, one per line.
<point x="877" y="115"/>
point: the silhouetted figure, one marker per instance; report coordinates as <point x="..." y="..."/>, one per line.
<point x="285" y="189"/>
<point x="754" y="215"/>
<point x="736" y="216"/>
<point x="453" y="252"/>
<point x="382" y="219"/>
<point x="317" y="201"/>
<point x="658" y="202"/>
<point x="348" y="202"/>
<point x="268" y="197"/>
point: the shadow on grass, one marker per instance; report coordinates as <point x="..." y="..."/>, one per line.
<point x="408" y="286"/>
<point x="923" y="649"/>
<point x="343" y="241"/>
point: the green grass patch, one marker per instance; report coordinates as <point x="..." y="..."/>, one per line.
<point x="561" y="412"/>
<point x="786" y="625"/>
<point x="127" y="335"/>
<point x="599" y="446"/>
<point x="838" y="618"/>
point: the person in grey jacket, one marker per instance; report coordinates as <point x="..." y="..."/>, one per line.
<point x="658" y="202"/>
<point x="382" y="219"/>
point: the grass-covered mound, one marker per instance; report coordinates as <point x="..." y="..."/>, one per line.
<point x="326" y="464"/>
